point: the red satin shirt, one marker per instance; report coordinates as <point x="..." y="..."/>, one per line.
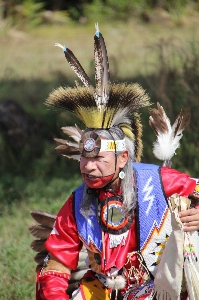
<point x="64" y="242"/>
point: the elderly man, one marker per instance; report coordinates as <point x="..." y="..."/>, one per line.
<point x="120" y="213"/>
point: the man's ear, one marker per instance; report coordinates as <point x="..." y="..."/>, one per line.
<point x="122" y="158"/>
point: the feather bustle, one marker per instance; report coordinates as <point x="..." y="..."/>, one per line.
<point x="38" y="245"/>
<point x="44" y="218"/>
<point x="39" y="258"/>
<point x="40" y="231"/>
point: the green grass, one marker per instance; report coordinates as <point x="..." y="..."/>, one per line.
<point x="17" y="264"/>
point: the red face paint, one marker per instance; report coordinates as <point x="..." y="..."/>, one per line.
<point x="97" y="182"/>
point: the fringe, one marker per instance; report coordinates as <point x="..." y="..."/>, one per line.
<point x="163" y="295"/>
<point x="117" y="239"/>
<point x="191" y="267"/>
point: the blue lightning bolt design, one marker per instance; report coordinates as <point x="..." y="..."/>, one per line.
<point x="148" y="197"/>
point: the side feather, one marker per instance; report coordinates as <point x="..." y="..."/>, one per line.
<point x="74" y="132"/>
<point x="168" y="137"/>
<point x="68" y="149"/>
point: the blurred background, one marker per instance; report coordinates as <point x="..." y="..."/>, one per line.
<point x="152" y="42"/>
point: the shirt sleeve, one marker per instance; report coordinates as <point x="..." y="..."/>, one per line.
<point x="176" y="182"/>
<point x="63" y="242"/>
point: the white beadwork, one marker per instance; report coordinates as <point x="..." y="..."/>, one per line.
<point x="117" y="239"/>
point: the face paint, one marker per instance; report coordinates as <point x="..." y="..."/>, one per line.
<point x="97" y="182"/>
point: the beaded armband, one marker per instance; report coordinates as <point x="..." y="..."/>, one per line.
<point x="53" y="266"/>
<point x="55" y="273"/>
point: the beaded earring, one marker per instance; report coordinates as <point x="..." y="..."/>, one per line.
<point x="121" y="174"/>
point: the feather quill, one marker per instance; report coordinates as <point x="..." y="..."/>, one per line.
<point x="168" y="137"/>
<point x="75" y="65"/>
<point x="102" y="75"/>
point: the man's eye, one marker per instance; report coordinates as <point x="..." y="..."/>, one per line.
<point x="99" y="157"/>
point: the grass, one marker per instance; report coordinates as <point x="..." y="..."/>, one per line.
<point x="30" y="68"/>
<point x="36" y="57"/>
<point x="17" y="264"/>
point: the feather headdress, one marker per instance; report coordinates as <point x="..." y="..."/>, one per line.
<point x="103" y="106"/>
<point x="168" y="137"/>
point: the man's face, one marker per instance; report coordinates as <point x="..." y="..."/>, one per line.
<point x="98" y="171"/>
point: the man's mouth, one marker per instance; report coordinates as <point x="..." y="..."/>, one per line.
<point x="90" y="177"/>
<point x="97" y="181"/>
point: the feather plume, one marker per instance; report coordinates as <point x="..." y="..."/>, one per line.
<point x="106" y="106"/>
<point x="102" y="75"/>
<point x="168" y="137"/>
<point x="75" y="65"/>
<point x="159" y="120"/>
<point x="124" y="99"/>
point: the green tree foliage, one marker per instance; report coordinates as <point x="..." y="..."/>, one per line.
<point x="174" y="85"/>
<point x="114" y="9"/>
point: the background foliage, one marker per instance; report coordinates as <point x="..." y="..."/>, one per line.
<point x="154" y="43"/>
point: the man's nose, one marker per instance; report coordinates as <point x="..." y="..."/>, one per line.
<point x="90" y="165"/>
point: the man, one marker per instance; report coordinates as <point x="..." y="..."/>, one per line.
<point x="120" y="213"/>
